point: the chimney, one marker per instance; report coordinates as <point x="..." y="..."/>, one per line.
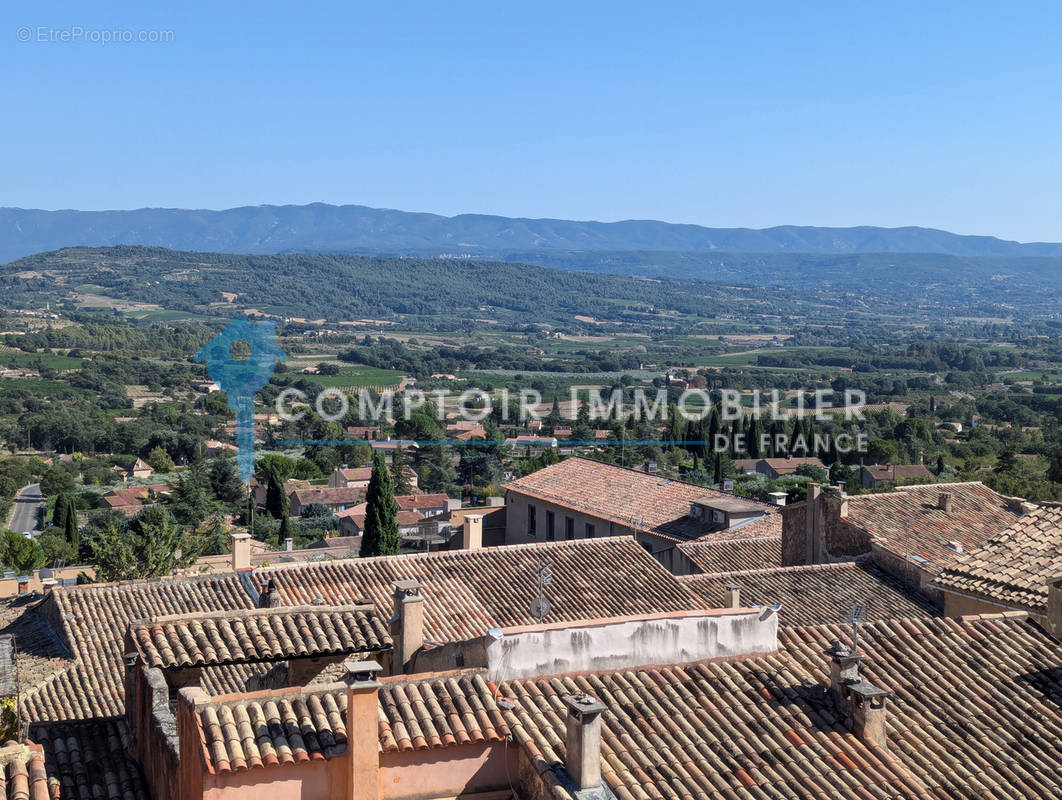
<point x="944" y="503"/>
<point x="1054" y="607"/>
<point x="48" y="585"/>
<point x="269" y="598"/>
<point x="813" y="526"/>
<point x="777" y="498"/>
<point x="472" y="532"/>
<point x="862" y="704"/>
<point x="733" y="595"/>
<point x="23" y="584"/>
<point x="582" y="741"/>
<point x="363" y="735"/>
<point x="409" y="615"/>
<point x="241" y="551"/>
<point x="288" y="544"/>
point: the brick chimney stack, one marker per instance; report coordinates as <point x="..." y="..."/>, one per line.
<point x="733" y="595"/>
<point x="472" y="532"/>
<point x="241" y="551"/>
<point x="409" y="618"/>
<point x="363" y="729"/>
<point x="582" y="741"/>
<point x="945" y="503"/>
<point x="862" y="704"/>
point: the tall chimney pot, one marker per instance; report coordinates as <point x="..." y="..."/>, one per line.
<point x="409" y="617"/>
<point x="472" y="532"/>
<point x="363" y="709"/>
<point x="241" y="551"/>
<point x="582" y="740"/>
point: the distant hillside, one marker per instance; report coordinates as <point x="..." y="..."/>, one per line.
<point x="347" y="287"/>
<point x="359" y="229"/>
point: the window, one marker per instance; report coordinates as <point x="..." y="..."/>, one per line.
<point x="589" y="531"/>
<point x="531" y="520"/>
<point x="569" y="528"/>
<point x="551" y="534"/>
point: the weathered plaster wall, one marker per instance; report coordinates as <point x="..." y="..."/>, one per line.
<point x="542" y="650"/>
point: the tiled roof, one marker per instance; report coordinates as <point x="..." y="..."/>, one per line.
<point x="437" y="712"/>
<point x="328" y="495"/>
<point x="22" y="773"/>
<point x="1012" y="568"/>
<point x="273" y="728"/>
<point x="92" y="620"/>
<point x="625" y="496"/>
<point x="787" y="466"/>
<point x="976" y="705"/>
<point x="357" y="473"/>
<point x="899" y="472"/>
<point x="89" y="760"/>
<point x="468" y="591"/>
<point x="291" y="726"/>
<point x="735" y="554"/>
<point x="975" y="712"/>
<point x="818" y="594"/>
<point x="911" y="521"/>
<point x="268" y="634"/>
<point x="419" y="502"/>
<point x="757" y="728"/>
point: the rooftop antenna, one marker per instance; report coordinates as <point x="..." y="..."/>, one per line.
<point x="543" y="578"/>
<point x="856" y="617"/>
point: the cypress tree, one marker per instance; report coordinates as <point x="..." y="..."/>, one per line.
<point x="381" y="513"/>
<point x="59" y="512"/>
<point x="70" y="529"/>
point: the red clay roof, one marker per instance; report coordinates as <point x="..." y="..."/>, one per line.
<point x="1013" y="567"/>
<point x="627" y="497"/>
<point x="909" y="520"/>
<point x="820" y="594"/>
<point x="734" y="554"/>
<point x="468" y="591"/>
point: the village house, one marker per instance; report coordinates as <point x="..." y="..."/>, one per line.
<point x="133" y="499"/>
<point x="530" y="444"/>
<point x="139" y="470"/>
<point x="874" y="476"/>
<point x="914" y="532"/>
<point x="337" y="499"/>
<point x="580" y="498"/>
<point x="350" y="478"/>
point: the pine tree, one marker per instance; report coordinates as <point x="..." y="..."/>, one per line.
<point x="381" y="513"/>
<point x="399" y="473"/>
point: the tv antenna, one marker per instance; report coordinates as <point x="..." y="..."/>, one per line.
<point x="543" y="578"/>
<point x="856" y="617"/>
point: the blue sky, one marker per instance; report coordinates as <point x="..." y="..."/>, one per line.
<point x="721" y="114"/>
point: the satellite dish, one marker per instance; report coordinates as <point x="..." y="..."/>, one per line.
<point x="539" y="608"/>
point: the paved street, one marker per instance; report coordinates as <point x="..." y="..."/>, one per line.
<point x="24" y="517"/>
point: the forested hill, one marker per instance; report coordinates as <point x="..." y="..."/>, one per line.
<point x="345" y="287"/>
<point x="326" y="228"/>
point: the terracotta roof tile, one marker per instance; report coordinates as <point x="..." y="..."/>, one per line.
<point x="625" y="496"/>
<point x="819" y="594"/>
<point x="91" y="621"/>
<point x="270" y="634"/>
<point x="90" y="760"/>
<point x="976" y="705"/>
<point x="22" y="772"/>
<point x="1013" y="567"/>
<point x="468" y="591"/>
<point x="909" y="520"/>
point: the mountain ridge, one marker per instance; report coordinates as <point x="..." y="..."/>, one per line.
<point x="321" y="227"/>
